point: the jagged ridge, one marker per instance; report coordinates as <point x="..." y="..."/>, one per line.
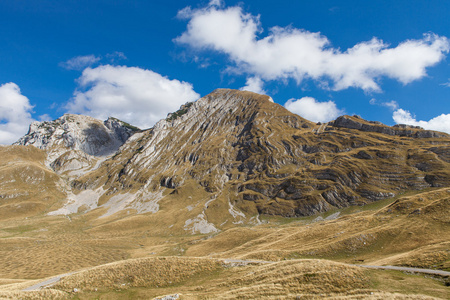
<point x="72" y="141"/>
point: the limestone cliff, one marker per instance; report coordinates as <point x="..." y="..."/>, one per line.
<point x="73" y="141"/>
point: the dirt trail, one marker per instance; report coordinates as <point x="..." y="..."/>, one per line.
<point x="47" y="283"/>
<point x="245" y="261"/>
<point x="407" y="269"/>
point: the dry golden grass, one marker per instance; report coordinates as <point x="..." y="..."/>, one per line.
<point x="408" y="284"/>
<point x="46" y="246"/>
<point x="27" y="186"/>
<point x="143" y="272"/>
<point x="288" y="278"/>
<point x="4" y="281"/>
<point x="435" y="256"/>
<point x="37" y="258"/>
<point x="395" y="231"/>
<point x="207" y="278"/>
<point x="197" y="278"/>
<point x="35" y="295"/>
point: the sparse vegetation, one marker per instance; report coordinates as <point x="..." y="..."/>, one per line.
<point x="184" y="109"/>
<point x="127" y="125"/>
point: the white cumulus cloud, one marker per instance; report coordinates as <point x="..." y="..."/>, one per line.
<point x="15" y="113"/>
<point x="138" y="96"/>
<point x="254" y="84"/>
<point x="287" y="52"/>
<point x="80" y="62"/>
<point x="439" y="123"/>
<point x="313" y="110"/>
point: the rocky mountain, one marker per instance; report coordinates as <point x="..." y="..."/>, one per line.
<point x="374" y="126"/>
<point x="75" y="143"/>
<point x="232" y="156"/>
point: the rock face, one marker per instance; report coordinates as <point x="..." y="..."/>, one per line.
<point x="233" y="155"/>
<point x="72" y="141"/>
<point x="373" y="126"/>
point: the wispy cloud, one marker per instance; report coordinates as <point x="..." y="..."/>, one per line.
<point x="15" y="113"/>
<point x="393" y="105"/>
<point x="446" y="84"/>
<point x="116" y="56"/>
<point x="333" y="9"/>
<point x="287" y="52"/>
<point x="138" y="96"/>
<point x="80" y="62"/>
<point x="313" y="110"/>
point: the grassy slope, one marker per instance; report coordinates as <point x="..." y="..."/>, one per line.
<point x="202" y="278"/>
<point x="27" y="187"/>
<point x="393" y="231"/>
<point x="412" y="230"/>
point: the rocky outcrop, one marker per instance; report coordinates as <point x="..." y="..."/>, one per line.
<point x="77" y="132"/>
<point x="357" y="123"/>
<point x="83" y="136"/>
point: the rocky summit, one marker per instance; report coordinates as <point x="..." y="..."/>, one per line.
<point x="74" y="142"/>
<point x="235" y="155"/>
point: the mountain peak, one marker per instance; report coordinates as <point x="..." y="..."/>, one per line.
<point x="78" y="132"/>
<point x="83" y="136"/>
<point x="239" y="94"/>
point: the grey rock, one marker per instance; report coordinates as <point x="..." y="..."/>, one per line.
<point x="397" y="130"/>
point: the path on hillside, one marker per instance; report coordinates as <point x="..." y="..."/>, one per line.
<point x="404" y="269"/>
<point x="407" y="269"/>
<point x="245" y="261"/>
<point x="47" y="283"/>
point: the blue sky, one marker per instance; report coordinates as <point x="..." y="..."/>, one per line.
<point x="138" y="60"/>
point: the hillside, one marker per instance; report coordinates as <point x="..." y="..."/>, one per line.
<point x="27" y="186"/>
